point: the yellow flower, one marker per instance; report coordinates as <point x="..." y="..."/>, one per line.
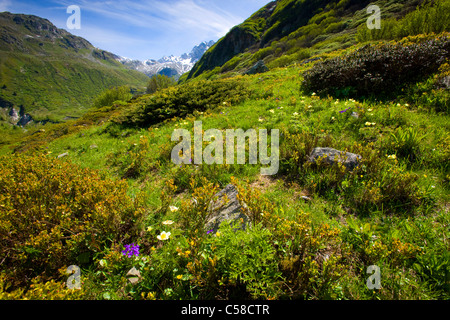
<point x="164" y="236"/>
<point x="179" y="277"/>
<point x="173" y="208"/>
<point x="272" y="111"/>
<point x="167" y="222"/>
<point x="149" y="229"/>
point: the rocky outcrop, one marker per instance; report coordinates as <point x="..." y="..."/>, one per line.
<point x="331" y="156"/>
<point x="258" y="67"/>
<point x="226" y="208"/>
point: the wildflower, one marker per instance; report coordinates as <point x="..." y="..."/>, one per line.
<point x="313" y="94"/>
<point x="149" y="229"/>
<point x="310" y="107"/>
<point x="272" y="111"/>
<point x="393" y="156"/>
<point x="261" y="120"/>
<point x="370" y="110"/>
<point x="295" y="114"/>
<point x="173" y="208"/>
<point x="179" y="277"/>
<point x="164" y="236"/>
<point x="333" y="118"/>
<point x="343" y="111"/>
<point x="210" y="231"/>
<point x="167" y="222"/>
<point x="131" y="250"/>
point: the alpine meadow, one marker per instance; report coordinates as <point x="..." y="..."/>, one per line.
<point x="109" y="190"/>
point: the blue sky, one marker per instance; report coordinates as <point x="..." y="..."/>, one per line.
<point x="144" y="29"/>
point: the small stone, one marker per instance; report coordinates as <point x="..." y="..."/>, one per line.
<point x="230" y="211"/>
<point x="330" y="156"/>
<point x="63" y="155"/>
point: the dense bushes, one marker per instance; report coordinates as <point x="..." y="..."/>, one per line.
<point x="182" y="100"/>
<point x="159" y="82"/>
<point x="108" y="97"/>
<point x="53" y="214"/>
<point x="379" y="68"/>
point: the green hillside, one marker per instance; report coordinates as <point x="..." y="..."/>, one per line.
<point x="102" y="192"/>
<point x="286" y="31"/>
<point x="51" y="73"/>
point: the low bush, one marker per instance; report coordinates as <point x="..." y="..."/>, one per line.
<point x="381" y="68"/>
<point x="182" y="100"/>
<point x="54" y="214"/>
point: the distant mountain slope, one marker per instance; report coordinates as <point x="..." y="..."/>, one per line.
<point x="171" y="66"/>
<point x="52" y="74"/>
<point x="289" y="30"/>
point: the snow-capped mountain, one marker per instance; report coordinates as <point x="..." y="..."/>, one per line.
<point x="171" y="66"/>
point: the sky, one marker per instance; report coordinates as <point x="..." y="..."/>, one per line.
<point x="143" y="29"/>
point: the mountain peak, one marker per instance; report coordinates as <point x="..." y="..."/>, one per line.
<point x="172" y="66"/>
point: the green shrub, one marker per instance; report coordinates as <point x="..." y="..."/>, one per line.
<point x="54" y="214"/>
<point x="379" y="68"/>
<point x="159" y="82"/>
<point x="108" y="97"/>
<point x="182" y="100"/>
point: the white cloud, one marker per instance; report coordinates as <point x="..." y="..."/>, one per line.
<point x="5" y="5"/>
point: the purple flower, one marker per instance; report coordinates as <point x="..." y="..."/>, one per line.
<point x="344" y="110"/>
<point x="131" y="250"/>
<point x="210" y="231"/>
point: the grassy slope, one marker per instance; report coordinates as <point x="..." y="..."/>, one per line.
<point x="293" y="31"/>
<point x="56" y="75"/>
<point x="278" y="103"/>
<point x="392" y="213"/>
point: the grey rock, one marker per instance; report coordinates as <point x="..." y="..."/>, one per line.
<point x="134" y="276"/>
<point x="63" y="155"/>
<point x="24" y="120"/>
<point x="258" y="67"/>
<point x="221" y="210"/>
<point x="330" y="156"/>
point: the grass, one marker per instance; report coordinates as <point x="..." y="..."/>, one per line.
<point x="392" y="212"/>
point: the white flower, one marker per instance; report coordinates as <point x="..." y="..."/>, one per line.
<point x="168" y="222"/>
<point x="272" y="111"/>
<point x="370" y="110"/>
<point x="333" y="118"/>
<point x="393" y="156"/>
<point x="295" y="114"/>
<point x="173" y="208"/>
<point x="164" y="236"/>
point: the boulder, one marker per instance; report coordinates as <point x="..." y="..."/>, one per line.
<point x="221" y="210"/>
<point x="258" y="67"/>
<point x="330" y="156"/>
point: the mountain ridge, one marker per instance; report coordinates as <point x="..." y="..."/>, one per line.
<point x="51" y="73"/>
<point x="171" y="66"/>
<point x="284" y="31"/>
